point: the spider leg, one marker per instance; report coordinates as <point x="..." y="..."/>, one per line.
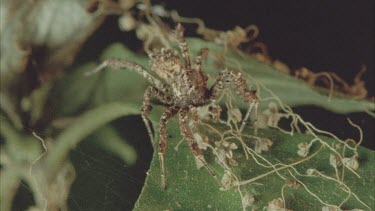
<point x="146" y="107"/>
<point x="185" y="132"/>
<point x="183" y="45"/>
<point x="162" y="147"/>
<point x="117" y="64"/>
<point x="198" y="61"/>
<point x="247" y="95"/>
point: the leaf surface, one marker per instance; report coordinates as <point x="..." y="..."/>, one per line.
<point x="189" y="188"/>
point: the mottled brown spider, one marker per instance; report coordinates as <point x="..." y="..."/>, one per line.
<point x="182" y="86"/>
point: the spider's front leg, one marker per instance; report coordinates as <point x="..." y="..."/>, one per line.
<point x="183" y="45"/>
<point x="146" y="106"/>
<point x="247" y="95"/>
<point x="119" y="64"/>
<point x="202" y="54"/>
<point x="186" y="133"/>
<point x="162" y="147"/>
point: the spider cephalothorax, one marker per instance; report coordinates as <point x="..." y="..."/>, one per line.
<point x="182" y="86"/>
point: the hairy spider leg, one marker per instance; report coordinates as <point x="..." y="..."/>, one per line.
<point x="198" y="61"/>
<point x="146" y="106"/>
<point x="162" y="147"/>
<point x="247" y="95"/>
<point x="117" y="64"/>
<point x="183" y="46"/>
<point x="185" y="132"/>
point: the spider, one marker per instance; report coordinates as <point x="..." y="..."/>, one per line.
<point x="182" y="86"/>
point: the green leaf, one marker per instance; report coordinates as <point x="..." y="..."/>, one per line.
<point x="108" y="139"/>
<point x="72" y="93"/>
<point x="82" y="127"/>
<point x="20" y="147"/>
<point x="8" y="183"/>
<point x="103" y="87"/>
<point x="189" y="188"/>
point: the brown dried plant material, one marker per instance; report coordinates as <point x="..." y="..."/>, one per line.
<point x="281" y="66"/>
<point x="334" y="82"/>
<point x="259" y="51"/>
<point x="230" y="39"/>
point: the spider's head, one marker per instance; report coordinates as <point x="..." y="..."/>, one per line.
<point x="166" y="63"/>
